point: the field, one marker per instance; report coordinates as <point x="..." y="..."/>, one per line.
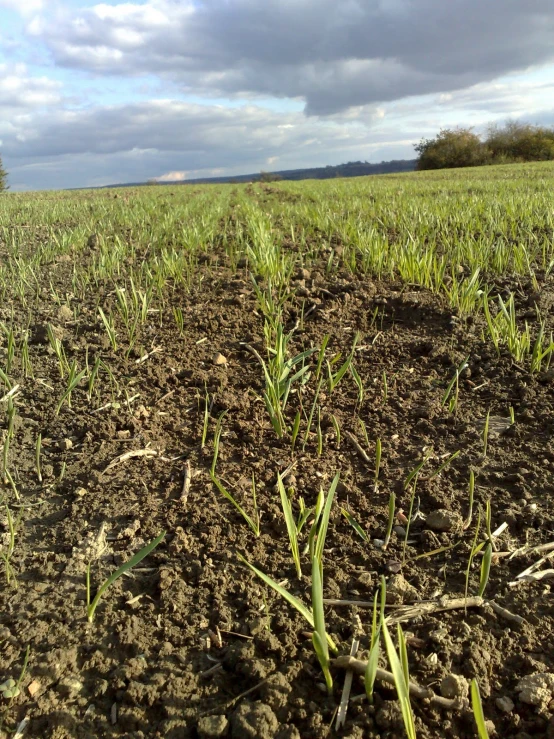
<point x="290" y="418"/>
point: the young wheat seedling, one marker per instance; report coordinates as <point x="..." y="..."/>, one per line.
<point x="478" y="713"/>
<point x="291" y="525"/>
<point x="253" y="522"/>
<point x="373" y="659"/>
<point x="399" y="670"/>
<point x="138" y="557"/>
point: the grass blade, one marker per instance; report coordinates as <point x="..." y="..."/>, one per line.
<point x="291" y="525"/>
<point x="477" y="707"/>
<point x="324" y="524"/>
<point x="289" y="597"/>
<point x="135" y="559"/>
<point x="355" y="525"/>
<point x="400" y="683"/>
<point x="319" y="636"/>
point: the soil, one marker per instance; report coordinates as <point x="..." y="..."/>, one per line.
<point x="190" y="643"/>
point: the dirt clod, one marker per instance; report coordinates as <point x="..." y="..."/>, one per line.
<point x="211" y="727"/>
<point x="454" y="686"/>
<point x="536" y="689"/>
<point x="254" y="721"/>
<point x="399" y="590"/>
<point x="443" y="520"/>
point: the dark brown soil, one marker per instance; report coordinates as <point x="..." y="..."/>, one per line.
<point x="190" y="643"/>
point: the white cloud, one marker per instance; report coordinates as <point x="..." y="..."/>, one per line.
<point x="18" y="89"/>
<point x="171" y="177"/>
<point x="23" y="7"/>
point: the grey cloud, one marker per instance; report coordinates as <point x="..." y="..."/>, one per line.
<point x="330" y="54"/>
<point x="144" y="140"/>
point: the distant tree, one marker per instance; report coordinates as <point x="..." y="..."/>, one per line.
<point x="460" y="147"/>
<point x="3" y="177"/>
<point x="457" y="147"/>
<point x="520" y="142"/>
<point x="270" y="177"/>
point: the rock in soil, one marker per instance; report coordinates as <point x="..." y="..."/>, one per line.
<point x="399" y="590"/>
<point x="443" y="520"/>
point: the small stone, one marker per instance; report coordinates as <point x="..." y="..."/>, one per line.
<point x="81" y="492"/>
<point x="443" y="520"/>
<point x="505" y="704"/>
<point x="69" y="685"/>
<point x="454" y="686"/>
<point x="218" y="359"/>
<point x="303" y="274"/>
<point x="33" y="688"/>
<point x="123" y="434"/>
<point x="393" y="566"/>
<point x="212" y="726"/>
<point x="66" y="445"/>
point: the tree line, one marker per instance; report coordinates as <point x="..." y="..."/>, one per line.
<point x="461" y="147"/>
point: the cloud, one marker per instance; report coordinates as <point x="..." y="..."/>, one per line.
<point x="167" y="138"/>
<point x="23" y="7"/>
<point x="21" y="91"/>
<point x="172" y="140"/>
<point x="333" y="55"/>
<point x="171" y="177"/>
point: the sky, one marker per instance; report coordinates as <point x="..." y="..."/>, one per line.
<point x="115" y="92"/>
